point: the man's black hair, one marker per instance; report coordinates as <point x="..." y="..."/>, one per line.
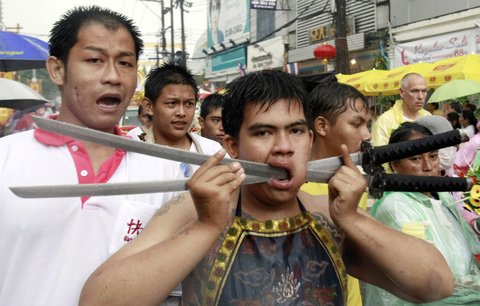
<point x="169" y="73"/>
<point x="64" y="34"/>
<point x="211" y="103"/>
<point x="330" y="99"/>
<point x="264" y="88"/>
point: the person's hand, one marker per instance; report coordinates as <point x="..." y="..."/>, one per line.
<point x="211" y="188"/>
<point x="345" y="190"/>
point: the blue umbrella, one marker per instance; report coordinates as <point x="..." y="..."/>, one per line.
<point x="21" y="52"/>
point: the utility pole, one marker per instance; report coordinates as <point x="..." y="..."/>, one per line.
<point x="183" y="26"/>
<point x="163" y="30"/>
<point x="172" y="31"/>
<point x="341" y="60"/>
<point x="164" y="40"/>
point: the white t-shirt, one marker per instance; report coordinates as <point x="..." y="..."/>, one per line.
<point x="135" y="132"/>
<point x="49" y="246"/>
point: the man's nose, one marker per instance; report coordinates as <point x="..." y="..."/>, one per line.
<point x="180" y="110"/>
<point x="111" y="74"/>
<point x="283" y="144"/>
<point x="422" y="94"/>
<point x="365" y="134"/>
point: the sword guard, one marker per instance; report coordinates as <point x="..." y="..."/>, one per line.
<point x="368" y="159"/>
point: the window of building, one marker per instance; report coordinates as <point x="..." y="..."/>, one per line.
<point x="265" y="23"/>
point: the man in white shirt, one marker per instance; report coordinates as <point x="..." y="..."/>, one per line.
<point x="49" y="246"/>
<point x="170" y="99"/>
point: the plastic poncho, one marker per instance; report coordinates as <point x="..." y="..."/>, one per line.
<point x="390" y="121"/>
<point x="440" y="223"/>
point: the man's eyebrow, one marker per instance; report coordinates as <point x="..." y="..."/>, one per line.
<point x="102" y="50"/>
<point x="298" y="122"/>
<point x="264" y="125"/>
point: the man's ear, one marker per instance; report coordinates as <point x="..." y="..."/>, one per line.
<point x="201" y="122"/>
<point x="230" y="145"/>
<point x="56" y="70"/>
<point x="321" y="126"/>
<point x="147" y="106"/>
<point x="402" y="92"/>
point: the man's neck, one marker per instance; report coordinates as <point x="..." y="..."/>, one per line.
<point x="98" y="154"/>
<point x="409" y="114"/>
<point x="255" y="208"/>
<point x="319" y="152"/>
<point x="182" y="143"/>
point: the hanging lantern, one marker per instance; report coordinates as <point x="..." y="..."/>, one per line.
<point x="325" y="52"/>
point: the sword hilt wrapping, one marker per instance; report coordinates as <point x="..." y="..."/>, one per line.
<point x="396" y="182"/>
<point x="382" y="154"/>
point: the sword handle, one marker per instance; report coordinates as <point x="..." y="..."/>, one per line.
<point x="395" y="182"/>
<point x="382" y="154"/>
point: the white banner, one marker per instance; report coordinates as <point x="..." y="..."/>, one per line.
<point x="228" y="19"/>
<point x="436" y="48"/>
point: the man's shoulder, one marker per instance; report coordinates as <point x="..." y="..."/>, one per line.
<point x="207" y="145"/>
<point x="386" y="116"/>
<point x="18" y="139"/>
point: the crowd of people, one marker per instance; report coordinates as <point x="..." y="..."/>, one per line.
<point x="283" y="242"/>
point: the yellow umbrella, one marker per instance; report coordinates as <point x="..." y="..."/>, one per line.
<point x="360" y="79"/>
<point x="465" y="67"/>
<point x="390" y="83"/>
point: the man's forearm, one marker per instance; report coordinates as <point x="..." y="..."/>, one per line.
<point x="408" y="267"/>
<point x="148" y="277"/>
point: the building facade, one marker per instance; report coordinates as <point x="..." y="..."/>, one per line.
<point x="249" y="35"/>
<point x="428" y="31"/>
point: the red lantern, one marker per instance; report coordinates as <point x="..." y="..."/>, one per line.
<point x="325" y="51"/>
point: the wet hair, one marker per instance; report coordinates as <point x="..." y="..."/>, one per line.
<point x="330" y="100"/>
<point x="64" y="34"/>
<point x="264" y="88"/>
<point x="211" y="103"/>
<point x="453" y="118"/>
<point x="407" y="131"/>
<point x="470" y="116"/>
<point x="169" y="73"/>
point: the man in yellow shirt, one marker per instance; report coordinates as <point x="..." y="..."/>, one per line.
<point x="338" y="114"/>
<point x="413" y="92"/>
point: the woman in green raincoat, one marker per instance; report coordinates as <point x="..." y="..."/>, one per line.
<point x="431" y="216"/>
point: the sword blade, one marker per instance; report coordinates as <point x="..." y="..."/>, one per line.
<point x="333" y="163"/>
<point x="110" y="189"/>
<point x="86" y="134"/>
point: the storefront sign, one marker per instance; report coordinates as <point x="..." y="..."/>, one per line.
<point x="321" y="33"/>
<point x="267" y="54"/>
<point x="438" y="47"/>
<point x="263" y="4"/>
